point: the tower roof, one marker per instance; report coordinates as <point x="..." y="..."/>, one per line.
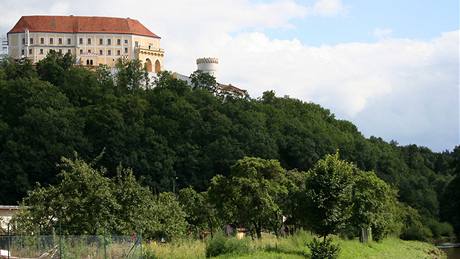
<point x="81" y="24"/>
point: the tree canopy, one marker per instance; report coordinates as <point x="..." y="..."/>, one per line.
<point x="174" y="136"/>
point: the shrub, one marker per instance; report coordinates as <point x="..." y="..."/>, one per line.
<point x="323" y="250"/>
<point x="222" y="245"/>
<point x="416" y="232"/>
<point x="440" y="229"/>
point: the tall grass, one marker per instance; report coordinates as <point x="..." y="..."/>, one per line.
<point x="294" y="247"/>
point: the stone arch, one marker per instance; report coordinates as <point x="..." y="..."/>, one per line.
<point x="148" y="65"/>
<point x="157" y="66"/>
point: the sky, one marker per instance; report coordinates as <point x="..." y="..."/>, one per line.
<point x="389" y="66"/>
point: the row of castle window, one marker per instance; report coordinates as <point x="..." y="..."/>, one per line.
<point x="69" y="41"/>
<point x="101" y="52"/>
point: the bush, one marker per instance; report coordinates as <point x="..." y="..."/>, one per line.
<point x="416" y="232"/>
<point x="222" y="245"/>
<point x="440" y="229"/>
<point x="323" y="250"/>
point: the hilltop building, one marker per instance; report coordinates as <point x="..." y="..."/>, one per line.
<point x="210" y="66"/>
<point x="92" y="40"/>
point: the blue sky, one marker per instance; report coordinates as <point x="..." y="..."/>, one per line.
<point x="415" y="19"/>
<point x="391" y="67"/>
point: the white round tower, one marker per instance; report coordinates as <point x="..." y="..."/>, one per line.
<point x="208" y="65"/>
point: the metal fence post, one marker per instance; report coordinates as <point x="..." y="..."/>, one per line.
<point x="61" y="254"/>
<point x="140" y="242"/>
<point x="105" y="247"/>
<point x="9" y="240"/>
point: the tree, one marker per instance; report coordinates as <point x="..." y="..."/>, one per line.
<point x="200" y="214"/>
<point x="85" y="201"/>
<point x="81" y="203"/>
<point x="450" y="209"/>
<point x="167" y="218"/>
<point x="328" y="197"/>
<point x="374" y="204"/>
<point x="201" y="80"/>
<point x="131" y="75"/>
<point x="52" y="67"/>
<point x="251" y="195"/>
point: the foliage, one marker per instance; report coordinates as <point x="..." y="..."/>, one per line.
<point x="413" y="228"/>
<point x="374" y="205"/>
<point x="131" y="75"/>
<point x="204" y="81"/>
<point x="450" y="209"/>
<point x="251" y="195"/>
<point x="323" y="249"/>
<point x="201" y="216"/>
<point x="328" y="197"/>
<point x="85" y="201"/>
<point x="174" y="136"/>
<point x="220" y="245"/>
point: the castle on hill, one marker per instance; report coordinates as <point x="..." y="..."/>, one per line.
<point x="92" y="40"/>
<point x="95" y="41"/>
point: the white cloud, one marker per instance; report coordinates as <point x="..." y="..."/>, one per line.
<point x="328" y="7"/>
<point x="382" y="33"/>
<point x="395" y="88"/>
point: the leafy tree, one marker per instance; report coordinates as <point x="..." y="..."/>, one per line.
<point x="81" y="203"/>
<point x="200" y="214"/>
<point x="85" y="201"/>
<point x="374" y="204"/>
<point x="328" y="197"/>
<point x="450" y="209"/>
<point x="252" y="194"/>
<point x="203" y="80"/>
<point x="52" y="67"/>
<point x="167" y="217"/>
<point x="131" y="75"/>
<point x="20" y="69"/>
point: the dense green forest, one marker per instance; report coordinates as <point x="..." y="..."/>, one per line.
<point x="174" y="136"/>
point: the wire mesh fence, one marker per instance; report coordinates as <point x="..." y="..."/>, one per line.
<point x="89" y="247"/>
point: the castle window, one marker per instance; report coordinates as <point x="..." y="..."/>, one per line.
<point x="136" y="44"/>
<point x="42" y="40"/>
<point x="91" y="62"/>
<point x="118" y="52"/>
<point x="118" y="41"/>
<point x="30" y="51"/>
<point x="109" y="52"/>
<point x="22" y="52"/>
<point x="23" y="41"/>
<point x="101" y="41"/>
<point x="81" y="51"/>
<point x="81" y="40"/>
<point x="41" y="51"/>
<point x="87" y="62"/>
<point x="89" y="41"/>
<point x="60" y="41"/>
<point x="101" y="52"/>
<point x="51" y="41"/>
<point x="89" y="51"/>
<point x="109" y="41"/>
<point x="69" y="41"/>
<point x="60" y="51"/>
<point x="126" y="41"/>
<point x="126" y="50"/>
<point x="69" y="51"/>
<point x="31" y="41"/>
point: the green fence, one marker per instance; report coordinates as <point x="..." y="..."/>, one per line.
<point x="89" y="247"/>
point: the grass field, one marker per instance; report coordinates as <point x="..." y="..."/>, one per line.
<point x="294" y="247"/>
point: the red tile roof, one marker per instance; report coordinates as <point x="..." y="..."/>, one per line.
<point x="81" y="24"/>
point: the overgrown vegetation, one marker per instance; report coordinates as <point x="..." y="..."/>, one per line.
<point x="265" y="153"/>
